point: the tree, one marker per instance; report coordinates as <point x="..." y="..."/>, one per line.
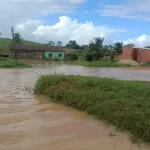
<point x="147" y="46"/>
<point x="59" y="43"/>
<point x="17" y="38"/>
<point x="118" y="47"/>
<point x="73" y="44"/>
<point x="131" y="44"/>
<point x="0" y="33"/>
<point x="51" y="43"/>
<point x="96" y="48"/>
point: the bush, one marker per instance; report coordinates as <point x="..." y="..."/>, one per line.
<point x="89" y="57"/>
<point x="73" y="56"/>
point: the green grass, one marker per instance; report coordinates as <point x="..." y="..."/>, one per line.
<point x="4" y="45"/>
<point x="8" y="63"/>
<point x="97" y="64"/>
<point x="145" y="64"/>
<point x="125" y="104"/>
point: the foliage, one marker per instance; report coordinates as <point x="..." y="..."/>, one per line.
<point x="131" y="44"/>
<point x="9" y="63"/>
<point x="17" y="38"/>
<point x="125" y="104"/>
<point x="73" y="44"/>
<point x="118" y="47"/>
<point x="145" y="64"/>
<point x="59" y="43"/>
<point x="73" y="56"/>
<point x="88" y="57"/>
<point x="51" y="43"/>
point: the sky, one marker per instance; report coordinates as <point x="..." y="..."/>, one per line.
<point x="126" y="21"/>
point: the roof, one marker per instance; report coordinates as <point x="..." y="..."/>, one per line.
<point x="36" y="48"/>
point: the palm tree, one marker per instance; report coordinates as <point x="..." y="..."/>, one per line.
<point x="96" y="47"/>
<point x="51" y="43"/>
<point x="118" y="47"/>
<point x="17" y="38"/>
<point x="131" y="44"/>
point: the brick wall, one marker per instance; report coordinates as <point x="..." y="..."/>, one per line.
<point x="143" y="55"/>
<point x="127" y="53"/>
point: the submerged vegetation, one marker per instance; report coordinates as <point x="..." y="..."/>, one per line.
<point x="9" y="63"/>
<point x="125" y="104"/>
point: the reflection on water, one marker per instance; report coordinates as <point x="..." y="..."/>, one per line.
<point x="32" y="123"/>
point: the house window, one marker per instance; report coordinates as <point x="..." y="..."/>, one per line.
<point x="60" y="55"/>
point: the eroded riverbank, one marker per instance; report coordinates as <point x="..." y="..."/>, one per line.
<point x="32" y="123"/>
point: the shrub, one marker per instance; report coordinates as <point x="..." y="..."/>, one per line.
<point x="73" y="56"/>
<point x="88" y="57"/>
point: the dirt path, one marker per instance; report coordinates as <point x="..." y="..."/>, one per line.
<point x="32" y="123"/>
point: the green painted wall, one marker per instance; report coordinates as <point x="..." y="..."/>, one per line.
<point x="55" y="55"/>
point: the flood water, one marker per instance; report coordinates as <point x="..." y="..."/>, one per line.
<point x="29" y="122"/>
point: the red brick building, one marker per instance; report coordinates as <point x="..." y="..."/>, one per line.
<point x="137" y="54"/>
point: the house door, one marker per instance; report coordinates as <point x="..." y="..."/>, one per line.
<point x="50" y="56"/>
<point x="135" y="54"/>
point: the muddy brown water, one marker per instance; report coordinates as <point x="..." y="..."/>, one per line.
<point x="29" y="122"/>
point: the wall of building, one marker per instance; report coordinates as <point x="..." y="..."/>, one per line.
<point x="143" y="55"/>
<point x="127" y="53"/>
<point x="37" y="55"/>
<point x="55" y="55"/>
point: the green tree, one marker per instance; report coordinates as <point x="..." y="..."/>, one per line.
<point x="59" y="43"/>
<point x="51" y="43"/>
<point x="17" y="38"/>
<point x="96" y="48"/>
<point x="147" y="46"/>
<point x="131" y="44"/>
<point x="0" y="33"/>
<point x="118" y="47"/>
<point x="73" y="44"/>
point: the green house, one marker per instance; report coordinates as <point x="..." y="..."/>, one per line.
<point x="37" y="52"/>
<point x="54" y="55"/>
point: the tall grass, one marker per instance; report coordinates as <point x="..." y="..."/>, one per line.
<point x="101" y="63"/>
<point x="125" y="104"/>
<point x="8" y="63"/>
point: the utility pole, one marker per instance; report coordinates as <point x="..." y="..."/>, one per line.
<point x="14" y="43"/>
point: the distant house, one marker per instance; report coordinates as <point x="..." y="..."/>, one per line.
<point x="137" y="54"/>
<point x="24" y="51"/>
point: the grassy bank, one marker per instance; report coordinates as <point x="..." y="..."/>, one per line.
<point x="125" y="104"/>
<point x="145" y="64"/>
<point x="8" y="63"/>
<point x="97" y="64"/>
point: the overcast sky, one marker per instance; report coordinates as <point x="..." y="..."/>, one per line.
<point x="80" y="20"/>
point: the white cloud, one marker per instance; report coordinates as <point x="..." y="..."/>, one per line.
<point x="135" y="9"/>
<point x="13" y="12"/>
<point x="66" y="29"/>
<point x="140" y="41"/>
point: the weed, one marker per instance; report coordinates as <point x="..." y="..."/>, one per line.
<point x="8" y="63"/>
<point x="126" y="104"/>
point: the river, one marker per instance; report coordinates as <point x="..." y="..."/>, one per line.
<point x="29" y="122"/>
